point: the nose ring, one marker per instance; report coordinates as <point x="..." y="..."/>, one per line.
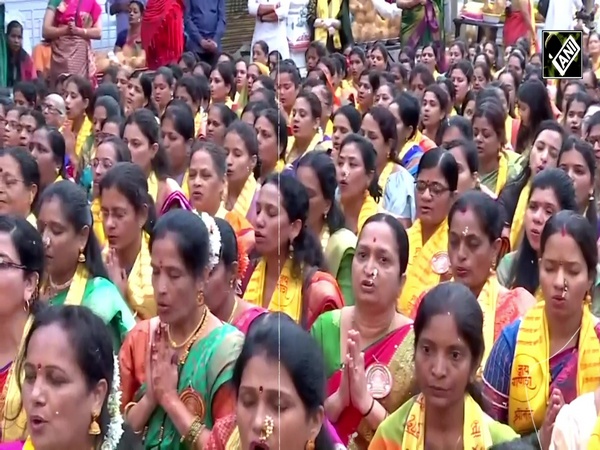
<point x="46" y="241"/>
<point x="267" y="429"/>
<point x="565" y="288"/>
<point x="375" y="272"/>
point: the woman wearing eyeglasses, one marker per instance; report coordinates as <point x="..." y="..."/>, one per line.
<point x="428" y="262"/>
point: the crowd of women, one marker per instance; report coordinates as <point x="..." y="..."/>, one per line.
<point x="375" y="256"/>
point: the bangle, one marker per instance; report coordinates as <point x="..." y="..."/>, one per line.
<point x="85" y="31"/>
<point x="128" y="408"/>
<point x="371" y="408"/>
<point x="194" y="432"/>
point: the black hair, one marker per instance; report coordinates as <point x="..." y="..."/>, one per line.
<point x="524" y="270"/>
<point x="228" y="254"/>
<point x="30" y="172"/>
<point x="324" y="168"/>
<point x="492" y="111"/>
<point x="108" y="90"/>
<point x="409" y="109"/>
<point x="28" y="243"/>
<point x="586" y="151"/>
<point x="438" y="157"/>
<point x="254" y="108"/>
<point x="27" y="88"/>
<point x="462" y="124"/>
<point x="121" y="149"/>
<point x="225" y="112"/>
<point x="277" y="121"/>
<point x="130" y="181"/>
<point x="399" y="234"/>
<point x="266" y="81"/>
<point x="112" y="106"/>
<point x="59" y="149"/>
<point x="485" y="209"/>
<point x="457" y="300"/>
<point x="192" y="86"/>
<point x="76" y="210"/>
<point x="509" y="195"/>
<point x="369" y="159"/>
<point x="247" y="134"/>
<point x="145" y="120"/>
<point x="181" y="116"/>
<point x="145" y="81"/>
<point x="304" y="363"/>
<point x="189" y="60"/>
<point x="217" y="155"/>
<point x="190" y="235"/>
<point x="85" y="89"/>
<point x="39" y="118"/>
<point x="307" y="249"/>
<point x="93" y="350"/>
<point x="227" y="71"/>
<point x="469" y="151"/>
<point x="387" y="126"/>
<point x="534" y="94"/>
<point x="352" y="114"/>
<point x="422" y="71"/>
<point x="582" y="232"/>
<point x="314" y="104"/>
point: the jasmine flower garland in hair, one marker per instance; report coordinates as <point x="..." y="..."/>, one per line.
<point x="115" y="427"/>
<point x="214" y="239"/>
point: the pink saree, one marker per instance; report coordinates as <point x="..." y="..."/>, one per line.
<point x="74" y="54"/>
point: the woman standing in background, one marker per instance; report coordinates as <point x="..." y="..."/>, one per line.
<point x="70" y="25"/>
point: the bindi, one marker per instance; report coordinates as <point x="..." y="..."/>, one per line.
<point x="563" y="231"/>
<point x="374" y="240"/>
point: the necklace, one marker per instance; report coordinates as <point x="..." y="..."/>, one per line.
<point x="235" y="305"/>
<point x="195" y="337"/>
<point x="183" y="344"/>
<point x="59" y="287"/>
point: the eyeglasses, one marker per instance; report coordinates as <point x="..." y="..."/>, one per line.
<point x="434" y="187"/>
<point x="8" y="181"/>
<point x="104" y="162"/>
<point x="6" y="264"/>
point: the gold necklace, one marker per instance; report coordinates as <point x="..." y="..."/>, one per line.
<point x="235" y="305"/>
<point x="183" y="344"/>
<point x="203" y="323"/>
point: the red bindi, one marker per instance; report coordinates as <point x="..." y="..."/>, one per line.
<point x="563" y="231"/>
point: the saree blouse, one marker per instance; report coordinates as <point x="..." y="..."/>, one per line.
<point x="395" y="350"/>
<point x="204" y="377"/>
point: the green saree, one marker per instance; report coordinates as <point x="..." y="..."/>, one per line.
<point x="209" y="366"/>
<point x="103" y="297"/>
<point x="423" y="25"/>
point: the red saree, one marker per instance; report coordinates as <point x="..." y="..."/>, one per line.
<point x="395" y="351"/>
<point x="162" y="32"/>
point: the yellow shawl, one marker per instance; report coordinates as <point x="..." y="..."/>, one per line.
<point x="419" y="273"/>
<point x="185" y="184"/>
<point x="77" y="288"/>
<point x="98" y="224"/>
<point x="530" y="374"/>
<point x="385" y="174"/>
<point x="32" y="220"/>
<point x="369" y="208"/>
<point x="243" y="203"/>
<point x="153" y="186"/>
<point x="84" y="133"/>
<point x="517" y="223"/>
<point x="488" y="300"/>
<point x="14" y="421"/>
<point x="502" y="172"/>
<point x="476" y="435"/>
<point x="287" y="296"/>
<point x="328" y="10"/>
<point x="140" y="293"/>
<point x="316" y="140"/>
<point x="594" y="442"/>
<point x="233" y="443"/>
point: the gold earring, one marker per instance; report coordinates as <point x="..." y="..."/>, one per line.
<point x="201" y="298"/>
<point x="291" y="249"/>
<point x="310" y="445"/>
<point x="81" y="258"/>
<point x="587" y="300"/>
<point x="27" y="305"/>
<point x="94" y="426"/>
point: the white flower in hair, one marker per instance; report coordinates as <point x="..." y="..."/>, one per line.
<point x="115" y="427"/>
<point x="214" y="239"/>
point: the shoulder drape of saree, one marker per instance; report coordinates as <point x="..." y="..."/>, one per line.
<point x="220" y="433"/>
<point x="323" y="295"/>
<point x="245" y="319"/>
<point x="396" y="351"/>
<point x="132" y="361"/>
